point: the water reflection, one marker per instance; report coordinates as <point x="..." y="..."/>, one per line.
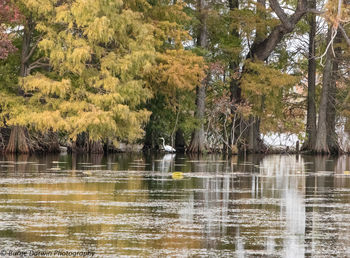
<point x="129" y="204"/>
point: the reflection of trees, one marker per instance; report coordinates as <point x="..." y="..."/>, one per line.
<point x="276" y="204"/>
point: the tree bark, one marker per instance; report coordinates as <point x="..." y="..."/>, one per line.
<point x="332" y="137"/>
<point x="27" y="50"/>
<point x="197" y="144"/>
<point x="311" y="103"/>
<point x="180" y="143"/>
<point x="261" y="50"/>
<point x="321" y="140"/>
<point x="235" y="90"/>
<point x="19" y="141"/>
<point x="83" y="145"/>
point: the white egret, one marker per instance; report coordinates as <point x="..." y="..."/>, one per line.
<point x="167" y="148"/>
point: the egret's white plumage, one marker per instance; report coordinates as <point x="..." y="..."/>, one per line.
<point x="167" y="148"/>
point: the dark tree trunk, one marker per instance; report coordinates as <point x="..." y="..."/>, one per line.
<point x="27" y="36"/>
<point x="332" y="137"/>
<point x="252" y="142"/>
<point x="180" y="144"/>
<point x="235" y="90"/>
<point x="261" y="50"/>
<point x="96" y="147"/>
<point x="321" y="140"/>
<point x="197" y="144"/>
<point x="198" y="138"/>
<point x="83" y="145"/>
<point x="149" y="141"/>
<point x="19" y="141"/>
<point x="311" y="103"/>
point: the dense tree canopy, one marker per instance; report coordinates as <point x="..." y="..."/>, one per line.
<point x="225" y="72"/>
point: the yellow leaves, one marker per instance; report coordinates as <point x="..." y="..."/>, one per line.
<point x="84" y="11"/>
<point x="177" y="69"/>
<point x="62" y="14"/>
<point x="133" y="64"/>
<point x="10" y="105"/>
<point x="77" y="59"/>
<point x="109" y="83"/>
<point x="40" y="121"/>
<point x="102" y="52"/>
<point x="108" y="63"/>
<point x="98" y="123"/>
<point x="104" y="102"/>
<point x="129" y="122"/>
<point x="100" y="31"/>
<point x="134" y="93"/>
<point x="72" y="108"/>
<point x="261" y="79"/>
<point x="41" y="7"/>
<point x="166" y="30"/>
<point x="45" y="85"/>
<point x="47" y="44"/>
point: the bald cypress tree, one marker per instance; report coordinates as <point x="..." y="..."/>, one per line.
<point x="98" y="51"/>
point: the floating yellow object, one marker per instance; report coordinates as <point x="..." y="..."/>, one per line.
<point x="177" y="175"/>
<point x="346" y="172"/>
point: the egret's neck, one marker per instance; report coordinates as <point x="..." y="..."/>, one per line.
<point x="163" y="143"/>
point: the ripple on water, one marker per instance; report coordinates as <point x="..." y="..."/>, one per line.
<point x="221" y="207"/>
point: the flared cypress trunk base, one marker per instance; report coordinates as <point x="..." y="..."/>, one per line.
<point x="19" y="141"/>
<point x="197" y="144"/>
<point x="84" y="145"/>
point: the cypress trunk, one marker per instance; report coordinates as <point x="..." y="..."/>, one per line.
<point x="180" y="144"/>
<point x="252" y="139"/>
<point x="321" y="140"/>
<point x="332" y="137"/>
<point x="311" y="103"/>
<point x="197" y="144"/>
<point x="83" y="145"/>
<point x="18" y="142"/>
<point x="235" y="90"/>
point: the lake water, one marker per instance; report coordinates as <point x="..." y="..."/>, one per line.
<point x="133" y="205"/>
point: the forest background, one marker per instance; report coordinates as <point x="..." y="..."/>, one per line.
<point x="207" y="75"/>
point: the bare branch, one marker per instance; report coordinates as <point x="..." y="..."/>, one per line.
<point x="32" y="50"/>
<point x="345" y="35"/>
<point x="40" y="63"/>
<point x="315" y="11"/>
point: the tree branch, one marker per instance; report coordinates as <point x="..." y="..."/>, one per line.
<point x="38" y="64"/>
<point x="263" y="49"/>
<point x="32" y="50"/>
<point x="315" y="11"/>
<point x="280" y="13"/>
<point x="346" y="37"/>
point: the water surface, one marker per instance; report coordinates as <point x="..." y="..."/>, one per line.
<point x="132" y="205"/>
